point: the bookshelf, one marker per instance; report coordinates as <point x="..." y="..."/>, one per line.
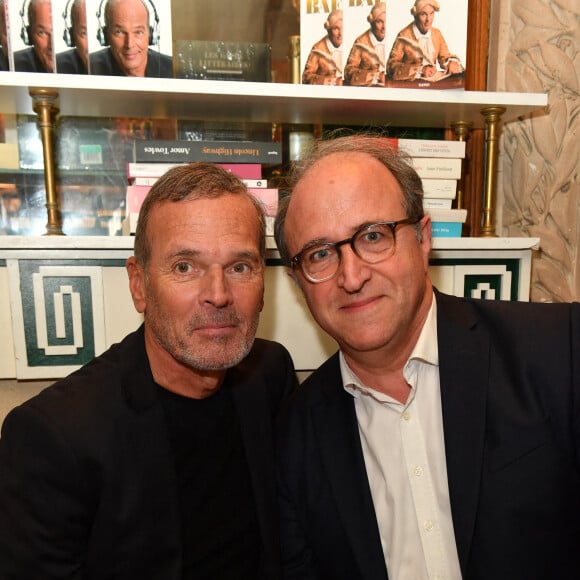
<point x="97" y="263"/>
<point x="262" y="102"/>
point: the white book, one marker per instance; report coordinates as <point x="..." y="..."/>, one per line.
<point x="255" y="183"/>
<point x="447" y="215"/>
<point x="437" y="167"/>
<point x="439" y="188"/>
<point x="429" y="147"/>
<point x="143" y="180"/>
<point x="436" y="202"/>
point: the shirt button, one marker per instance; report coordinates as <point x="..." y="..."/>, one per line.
<point x="418" y="471"/>
<point x="407" y="416"/>
<point x="428" y="525"/>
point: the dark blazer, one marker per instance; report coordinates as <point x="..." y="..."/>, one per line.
<point x="25" y="60"/>
<point x="510" y="389"/>
<point x="87" y="482"/>
<point x="158" y="65"/>
<point x="69" y="62"/>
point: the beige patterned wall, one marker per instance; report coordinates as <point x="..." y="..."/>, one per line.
<point x="535" y="47"/>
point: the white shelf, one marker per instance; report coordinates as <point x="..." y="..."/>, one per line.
<point x="260" y="102"/>
<point x="14" y="246"/>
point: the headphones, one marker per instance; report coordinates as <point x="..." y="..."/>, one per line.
<point x="67" y="35"/>
<point x="25" y="27"/>
<point x="153" y="30"/>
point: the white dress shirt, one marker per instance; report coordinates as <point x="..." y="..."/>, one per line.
<point x="404" y="454"/>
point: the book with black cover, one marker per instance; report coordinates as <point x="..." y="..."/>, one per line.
<point x="264" y="152"/>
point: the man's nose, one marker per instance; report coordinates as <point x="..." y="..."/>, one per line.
<point x="353" y="271"/>
<point x="215" y="288"/>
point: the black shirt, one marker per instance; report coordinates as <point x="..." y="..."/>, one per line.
<point x="218" y="517"/>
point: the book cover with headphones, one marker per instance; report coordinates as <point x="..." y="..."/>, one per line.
<point x="124" y="33"/>
<point x="31" y="37"/>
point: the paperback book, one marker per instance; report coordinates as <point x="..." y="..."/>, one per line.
<point x="242" y="170"/>
<point x="267" y="196"/>
<point x="106" y="52"/>
<point x="400" y="44"/>
<point x="429" y="147"/>
<point x="446" y="188"/>
<point x="447" y="223"/>
<point x="430" y="203"/>
<point x="31" y="49"/>
<point x="437" y="167"/>
<point x="365" y="45"/>
<point x="427" y="46"/>
<point x="255" y="183"/>
<point x="264" y="152"/>
<point x="321" y="53"/>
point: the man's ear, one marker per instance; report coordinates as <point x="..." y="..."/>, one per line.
<point x="425" y="229"/>
<point x="137" y="284"/>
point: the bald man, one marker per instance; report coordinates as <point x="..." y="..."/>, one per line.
<point x="420" y="51"/>
<point x="75" y="60"/>
<point x="324" y="63"/>
<point x="128" y="33"/>
<point x="39" y="56"/>
<point x="366" y="62"/>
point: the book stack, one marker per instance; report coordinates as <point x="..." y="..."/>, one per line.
<point x="243" y="158"/>
<point x="438" y="163"/>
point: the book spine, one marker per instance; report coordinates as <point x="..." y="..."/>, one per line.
<point x="437" y="167"/>
<point x="429" y="147"/>
<point x="436" y="202"/>
<point x="268" y="197"/>
<point x="264" y="152"/>
<point x="257" y="183"/>
<point x="134" y="197"/>
<point x="242" y="170"/>
<point x="446" y="188"/>
<point x="446" y="229"/>
<point x="448" y="215"/>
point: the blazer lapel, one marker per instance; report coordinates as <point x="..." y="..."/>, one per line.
<point x="256" y="418"/>
<point x="463" y="365"/>
<point x="336" y="426"/>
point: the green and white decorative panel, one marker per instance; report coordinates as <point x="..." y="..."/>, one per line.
<point x="487" y="279"/>
<point x="58" y="316"/>
<point x="484" y="282"/>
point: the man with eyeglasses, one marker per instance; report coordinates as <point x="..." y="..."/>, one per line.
<point x="443" y="439"/>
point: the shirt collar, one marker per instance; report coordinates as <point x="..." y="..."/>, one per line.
<point x="426" y="350"/>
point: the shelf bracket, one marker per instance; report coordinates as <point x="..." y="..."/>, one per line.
<point x="44" y="104"/>
<point x="492" y="116"/>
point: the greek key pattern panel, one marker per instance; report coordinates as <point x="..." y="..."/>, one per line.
<point x="59" y="320"/>
<point x="487" y="279"/>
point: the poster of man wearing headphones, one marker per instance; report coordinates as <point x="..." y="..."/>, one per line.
<point x="31" y="35"/>
<point x="99" y="37"/>
<point x="130" y="38"/>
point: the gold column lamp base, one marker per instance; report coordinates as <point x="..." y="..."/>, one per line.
<point x="44" y="104"/>
<point x="492" y="117"/>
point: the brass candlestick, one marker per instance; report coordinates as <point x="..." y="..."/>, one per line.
<point x="44" y="104"/>
<point x="492" y="118"/>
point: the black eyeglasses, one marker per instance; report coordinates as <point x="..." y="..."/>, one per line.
<point x="373" y="243"/>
